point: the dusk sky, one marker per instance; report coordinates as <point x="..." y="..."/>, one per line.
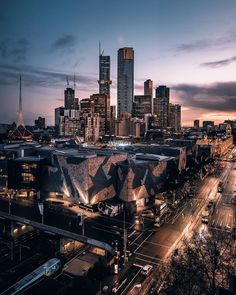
<point x="187" y="45"/>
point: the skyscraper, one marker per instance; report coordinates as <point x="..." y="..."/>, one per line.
<point x="104" y="74"/>
<point x="142" y="105"/>
<point x="125" y="80"/>
<point x="148" y="86"/>
<point x="102" y="107"/>
<point x="161" y="105"/>
<point x="175" y="116"/>
<point x="70" y="101"/>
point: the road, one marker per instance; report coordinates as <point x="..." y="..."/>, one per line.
<point x="156" y="246"/>
<point x="150" y="246"/>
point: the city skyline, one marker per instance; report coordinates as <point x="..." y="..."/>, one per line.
<point x="176" y="52"/>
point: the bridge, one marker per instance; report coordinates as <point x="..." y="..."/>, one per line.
<point x="60" y="232"/>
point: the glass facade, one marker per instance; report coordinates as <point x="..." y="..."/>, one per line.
<point x="125" y="80"/>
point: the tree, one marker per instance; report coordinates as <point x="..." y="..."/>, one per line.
<point x="203" y="264"/>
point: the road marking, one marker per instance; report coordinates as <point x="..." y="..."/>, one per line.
<point x="156" y="244"/>
<point x="130" y="282"/>
<point x="148" y="261"/>
<point x="136" y="239"/>
<point x="123" y="282"/>
<point x="143" y="242"/>
<point x="149" y="256"/>
<point x="133" y="232"/>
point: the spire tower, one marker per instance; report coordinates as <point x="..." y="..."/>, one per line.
<point x="20" y="112"/>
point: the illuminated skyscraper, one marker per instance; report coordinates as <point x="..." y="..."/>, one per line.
<point x="104" y="74"/>
<point x="161" y="105"/>
<point x="125" y="80"/>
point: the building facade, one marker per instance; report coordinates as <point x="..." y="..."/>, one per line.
<point x="70" y="102"/>
<point x="125" y="81"/>
<point x="104" y="75"/>
<point x="142" y="105"/>
<point x="101" y="104"/>
<point x="175" y="116"/>
<point x="161" y="105"/>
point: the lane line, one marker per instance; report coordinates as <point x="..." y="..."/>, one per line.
<point x="143" y="242"/>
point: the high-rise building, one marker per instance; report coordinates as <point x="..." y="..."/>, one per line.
<point x="148" y="90"/>
<point x="125" y="80"/>
<point x="161" y="105"/>
<point x="70" y="101"/>
<point x="175" y="116"/>
<point x="86" y="105"/>
<point x="142" y="105"/>
<point x="67" y="122"/>
<point x="113" y="119"/>
<point x="102" y="107"/>
<point x="148" y="87"/>
<point x="128" y="126"/>
<point x="91" y="127"/>
<point x="196" y="124"/>
<point x="104" y="74"/>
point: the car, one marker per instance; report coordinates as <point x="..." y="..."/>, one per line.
<point x="146" y="270"/>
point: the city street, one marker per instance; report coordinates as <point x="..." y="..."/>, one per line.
<point x="156" y="246"/>
<point x="148" y="246"/>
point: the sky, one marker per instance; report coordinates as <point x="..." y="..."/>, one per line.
<point x="188" y="45"/>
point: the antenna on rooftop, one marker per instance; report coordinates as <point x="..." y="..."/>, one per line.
<point x="67" y="80"/>
<point x="100" y="50"/>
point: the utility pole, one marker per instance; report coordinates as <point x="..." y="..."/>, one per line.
<point x="125" y="238"/>
<point x="9" y="204"/>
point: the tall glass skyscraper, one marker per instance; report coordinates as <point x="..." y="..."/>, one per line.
<point x="104" y="75"/>
<point x="161" y="105"/>
<point x="125" y="80"/>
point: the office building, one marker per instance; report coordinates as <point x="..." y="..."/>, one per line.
<point x="161" y="105"/>
<point x="125" y="80"/>
<point x="104" y="75"/>
<point x="86" y="105"/>
<point x="70" y="102"/>
<point x="148" y="90"/>
<point x="91" y="127"/>
<point x="175" y="116"/>
<point x="142" y="105"/>
<point x="113" y="119"/>
<point x="102" y="107"/>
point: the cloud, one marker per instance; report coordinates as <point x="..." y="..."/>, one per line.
<point x="219" y="63"/>
<point x="43" y="77"/>
<point x="227" y="40"/>
<point x="213" y="97"/>
<point x="194" y="46"/>
<point x="65" y="42"/>
<point x="14" y="50"/>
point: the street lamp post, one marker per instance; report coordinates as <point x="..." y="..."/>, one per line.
<point x="9" y="204"/>
<point x="125" y="238"/>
